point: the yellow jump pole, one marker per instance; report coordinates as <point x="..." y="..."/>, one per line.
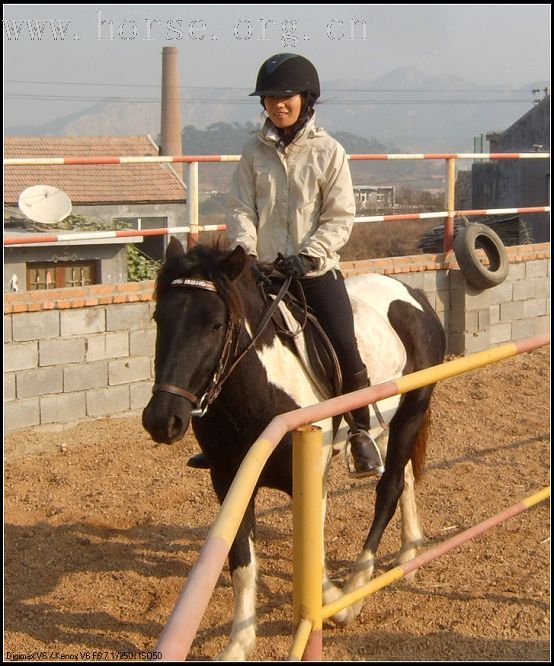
<point x="307" y="535"/>
<point x="395" y="574"/>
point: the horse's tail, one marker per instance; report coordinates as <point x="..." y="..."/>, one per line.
<point x="420" y="448"/>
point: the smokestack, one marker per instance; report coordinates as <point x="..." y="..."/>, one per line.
<point x="171" y="143"/>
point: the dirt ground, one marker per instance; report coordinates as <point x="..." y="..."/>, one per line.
<point x="102" y="527"/>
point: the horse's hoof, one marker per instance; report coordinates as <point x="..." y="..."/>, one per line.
<point x="405" y="556"/>
<point x="345" y="617"/>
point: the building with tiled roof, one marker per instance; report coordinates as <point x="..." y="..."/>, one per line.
<point x="144" y="196"/>
<point x="92" y="184"/>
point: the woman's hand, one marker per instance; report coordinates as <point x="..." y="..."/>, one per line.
<point x="296" y="265"/>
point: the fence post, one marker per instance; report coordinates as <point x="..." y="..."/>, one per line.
<point x="192" y="202"/>
<point x="307" y="534"/>
<point x="450" y="203"/>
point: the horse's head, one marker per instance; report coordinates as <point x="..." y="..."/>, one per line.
<point x="197" y="308"/>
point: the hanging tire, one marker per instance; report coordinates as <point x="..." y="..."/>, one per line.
<point x="466" y="243"/>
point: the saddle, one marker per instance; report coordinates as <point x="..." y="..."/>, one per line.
<point x="293" y="317"/>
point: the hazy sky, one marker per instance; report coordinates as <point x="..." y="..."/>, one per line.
<point x="50" y="48"/>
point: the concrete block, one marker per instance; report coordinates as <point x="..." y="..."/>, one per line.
<point x="9" y="386"/>
<point x="534" y="308"/>
<point x="7" y="328"/>
<point x="511" y="311"/>
<point x="476" y="299"/>
<point x="525" y="289"/>
<point x="525" y="328"/>
<point x="21" y="414"/>
<point x="542" y="288"/>
<point x="82" y="321"/>
<point x="542" y="325"/>
<point x="128" y="316"/>
<point x="107" y="345"/>
<point x="141" y="392"/>
<point x="414" y="280"/>
<point x="42" y="381"/>
<point x="62" y="408"/>
<point x="117" y="344"/>
<point x="494" y="314"/>
<point x="442" y="301"/>
<point x="61" y="352"/>
<point x="517" y="272"/>
<point x="475" y="342"/>
<point x="434" y="280"/>
<point x="85" y="376"/>
<point x="130" y="370"/>
<point x="95" y="348"/>
<point x="142" y="343"/>
<point x="500" y="333"/>
<point x="107" y="401"/>
<point x="20" y="356"/>
<point x="538" y="268"/>
<point x="35" y="325"/>
<point x="483" y="319"/>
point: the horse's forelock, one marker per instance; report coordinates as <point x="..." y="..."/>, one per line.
<point x="202" y="262"/>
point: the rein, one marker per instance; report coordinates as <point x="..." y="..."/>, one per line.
<point x="221" y="373"/>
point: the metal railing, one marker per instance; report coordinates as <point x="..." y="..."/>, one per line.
<point x="193" y="228"/>
<point x="180" y="630"/>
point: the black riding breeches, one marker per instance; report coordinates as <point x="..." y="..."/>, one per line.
<point x="328" y="298"/>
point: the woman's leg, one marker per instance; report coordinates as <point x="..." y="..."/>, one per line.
<point x="328" y="298"/>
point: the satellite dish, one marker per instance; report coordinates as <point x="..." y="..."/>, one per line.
<point x="44" y="204"/>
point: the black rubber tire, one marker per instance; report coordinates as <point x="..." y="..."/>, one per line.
<point x="466" y="243"/>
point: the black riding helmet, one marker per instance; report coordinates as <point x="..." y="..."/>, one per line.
<point x="286" y="74"/>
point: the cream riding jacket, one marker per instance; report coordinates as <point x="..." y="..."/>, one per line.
<point x="294" y="199"/>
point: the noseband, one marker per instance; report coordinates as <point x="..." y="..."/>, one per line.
<point x="214" y="386"/>
<point x="221" y="372"/>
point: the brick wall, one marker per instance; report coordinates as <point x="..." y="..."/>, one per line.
<point x="74" y="354"/>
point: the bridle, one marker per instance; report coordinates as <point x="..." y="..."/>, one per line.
<point x="221" y="372"/>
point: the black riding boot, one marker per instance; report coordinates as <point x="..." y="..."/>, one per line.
<point x="365" y="452"/>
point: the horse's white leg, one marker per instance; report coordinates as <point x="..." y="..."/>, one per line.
<point x="243" y="634"/>
<point x="330" y="591"/>
<point x="411" y="534"/>
<point x="362" y="569"/>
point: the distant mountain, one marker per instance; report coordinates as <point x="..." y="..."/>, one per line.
<point x="406" y="108"/>
<point x="419" y="112"/>
<point x="229" y="139"/>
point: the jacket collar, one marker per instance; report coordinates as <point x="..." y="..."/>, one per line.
<point x="268" y="134"/>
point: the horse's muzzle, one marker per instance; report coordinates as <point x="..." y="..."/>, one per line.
<point x="165" y="419"/>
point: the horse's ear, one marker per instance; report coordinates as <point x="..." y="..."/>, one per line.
<point x="233" y="264"/>
<point x="174" y="249"/>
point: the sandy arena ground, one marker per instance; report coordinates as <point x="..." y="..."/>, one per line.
<point x="102" y="527"/>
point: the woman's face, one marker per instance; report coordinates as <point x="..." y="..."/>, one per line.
<point x="283" y="111"/>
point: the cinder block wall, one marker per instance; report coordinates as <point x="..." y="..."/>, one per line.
<point x="75" y="354"/>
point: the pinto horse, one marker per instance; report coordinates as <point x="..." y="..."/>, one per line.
<point x="214" y="364"/>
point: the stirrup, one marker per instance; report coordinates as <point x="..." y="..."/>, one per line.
<point x="374" y="472"/>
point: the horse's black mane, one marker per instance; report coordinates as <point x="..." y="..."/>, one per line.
<point x="203" y="262"/>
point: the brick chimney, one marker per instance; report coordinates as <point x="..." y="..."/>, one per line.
<point x="171" y="110"/>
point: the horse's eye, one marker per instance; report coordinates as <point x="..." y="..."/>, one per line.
<point x="217" y="327"/>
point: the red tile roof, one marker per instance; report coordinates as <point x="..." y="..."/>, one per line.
<point x="92" y="184"/>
